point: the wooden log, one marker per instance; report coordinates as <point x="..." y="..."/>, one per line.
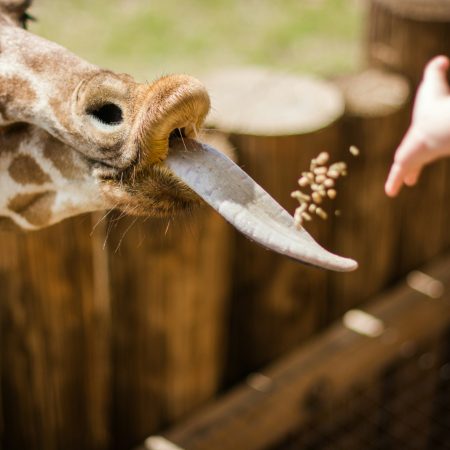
<point x="277" y="123"/>
<point x="353" y="355"/>
<point x="376" y="117"/>
<point x="54" y="338"/>
<point x="403" y="35"/>
<point x="170" y="287"/>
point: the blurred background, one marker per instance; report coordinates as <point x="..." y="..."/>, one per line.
<point x="120" y="333"/>
<point x="157" y="37"/>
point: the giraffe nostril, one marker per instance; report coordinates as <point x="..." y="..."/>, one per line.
<point x="177" y="133"/>
<point x="108" y="114"/>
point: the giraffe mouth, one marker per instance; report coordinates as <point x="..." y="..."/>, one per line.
<point x="245" y="204"/>
<point x="173" y="171"/>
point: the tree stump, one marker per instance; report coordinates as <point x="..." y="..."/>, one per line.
<point x="377" y="115"/>
<point x="170" y="288"/>
<point x="54" y="338"/>
<point x="403" y="35"/>
<point x="277" y="123"/>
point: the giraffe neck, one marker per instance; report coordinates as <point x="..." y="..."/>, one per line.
<point x="37" y="78"/>
<point x="41" y="180"/>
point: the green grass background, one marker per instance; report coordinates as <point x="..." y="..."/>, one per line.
<point x="149" y="38"/>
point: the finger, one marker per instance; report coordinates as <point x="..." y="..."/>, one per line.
<point x="408" y="163"/>
<point x="412" y="177"/>
<point x="434" y="81"/>
<point x="394" y="181"/>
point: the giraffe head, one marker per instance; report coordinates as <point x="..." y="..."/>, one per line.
<point x="114" y="133"/>
<point x="77" y="138"/>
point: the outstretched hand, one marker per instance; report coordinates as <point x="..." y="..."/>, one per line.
<point x="428" y="137"/>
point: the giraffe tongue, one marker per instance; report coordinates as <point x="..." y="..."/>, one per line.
<point x="243" y="203"/>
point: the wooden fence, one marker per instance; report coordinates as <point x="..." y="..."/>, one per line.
<point x="112" y="329"/>
<point x="373" y="380"/>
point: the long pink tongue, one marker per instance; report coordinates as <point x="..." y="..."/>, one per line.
<point x="246" y="205"/>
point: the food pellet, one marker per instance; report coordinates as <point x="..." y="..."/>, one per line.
<point x="308" y="175"/>
<point x="322" y="158"/>
<point x="303" y="207"/>
<point x="320" y="180"/>
<point x="331" y="193"/>
<point x="321" y="213"/>
<point x="317" y="198"/>
<point x="320" y="170"/>
<point x="303" y="181"/>
<point x="338" y="166"/>
<point x="300" y="196"/>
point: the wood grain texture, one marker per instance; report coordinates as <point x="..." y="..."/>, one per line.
<point x="54" y="338"/>
<point x="422" y="10"/>
<point x="376" y="118"/>
<point x="404" y="42"/>
<point x="169" y="287"/>
<point x="280" y="401"/>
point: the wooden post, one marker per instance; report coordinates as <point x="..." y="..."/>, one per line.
<point x="170" y="288"/>
<point x="403" y="35"/>
<point x="277" y="123"/>
<point x="377" y="115"/>
<point x="54" y="338"/>
<point x="359" y="361"/>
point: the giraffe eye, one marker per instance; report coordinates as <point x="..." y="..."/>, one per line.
<point x="25" y="18"/>
<point x="109" y="114"/>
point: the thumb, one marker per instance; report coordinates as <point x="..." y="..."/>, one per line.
<point x="434" y="83"/>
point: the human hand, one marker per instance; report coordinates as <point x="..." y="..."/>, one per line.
<point x="428" y="137"/>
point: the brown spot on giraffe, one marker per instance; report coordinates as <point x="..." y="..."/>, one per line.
<point x="25" y="170"/>
<point x="11" y="137"/>
<point x="62" y="159"/>
<point x="40" y="62"/>
<point x="15" y="91"/>
<point x="35" y="208"/>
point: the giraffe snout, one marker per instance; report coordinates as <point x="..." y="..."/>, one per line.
<point x="172" y="107"/>
<point x="128" y="122"/>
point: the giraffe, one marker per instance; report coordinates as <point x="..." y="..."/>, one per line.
<point x="76" y="138"/>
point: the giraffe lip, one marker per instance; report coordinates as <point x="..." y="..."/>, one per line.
<point x="242" y="202"/>
<point x="109" y="169"/>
